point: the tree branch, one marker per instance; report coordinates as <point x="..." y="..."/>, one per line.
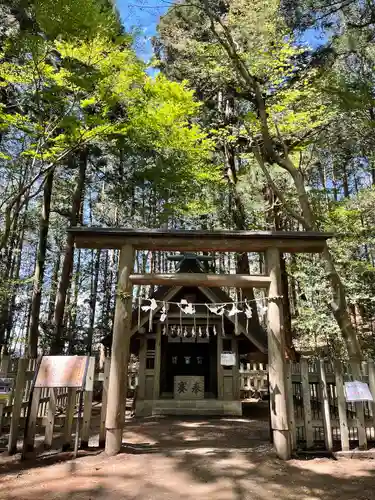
<point x="276" y="190"/>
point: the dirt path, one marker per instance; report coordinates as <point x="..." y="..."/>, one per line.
<point x="170" y="459"/>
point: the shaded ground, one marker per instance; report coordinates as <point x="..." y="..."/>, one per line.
<point x="209" y="459"/>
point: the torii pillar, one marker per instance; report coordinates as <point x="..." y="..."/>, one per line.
<point x="276" y="360"/>
<point x="118" y="375"/>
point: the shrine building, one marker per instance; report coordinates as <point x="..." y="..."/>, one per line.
<point x="189" y="362"/>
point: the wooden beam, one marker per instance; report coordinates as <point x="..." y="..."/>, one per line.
<point x="118" y="375"/>
<point x="157" y="362"/>
<point x="198" y="241"/>
<point x="197" y="316"/>
<point x="220" y="374"/>
<point x="142" y="370"/>
<point x="200" y="279"/>
<point x="276" y="362"/>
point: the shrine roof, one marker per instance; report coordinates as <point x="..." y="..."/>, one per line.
<point x="190" y="263"/>
<point x="198" y="240"/>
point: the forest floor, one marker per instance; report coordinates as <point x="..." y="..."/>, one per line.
<point x="187" y="458"/>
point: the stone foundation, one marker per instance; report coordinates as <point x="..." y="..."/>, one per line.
<point x="200" y="407"/>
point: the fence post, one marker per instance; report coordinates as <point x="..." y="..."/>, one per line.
<point x="87" y="402"/>
<point x="309" y="433"/>
<point x="326" y="408"/>
<point x="371" y="380"/>
<point x="51" y="412"/>
<point x="359" y="409"/>
<point x="103" y="413"/>
<point x="341" y="404"/>
<point x="292" y="421"/>
<point x="28" y="444"/>
<point x="4" y="365"/>
<point x="17" y="405"/>
<point x="69" y="416"/>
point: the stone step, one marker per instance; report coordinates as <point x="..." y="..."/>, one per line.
<point x="195" y="407"/>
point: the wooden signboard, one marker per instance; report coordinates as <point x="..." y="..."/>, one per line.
<point x="62" y="371"/>
<point x="188" y="387"/>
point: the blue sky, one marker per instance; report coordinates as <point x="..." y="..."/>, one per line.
<point x="143" y="16"/>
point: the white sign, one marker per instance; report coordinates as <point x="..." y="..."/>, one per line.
<point x="6" y="387"/>
<point x="228" y="359"/>
<point x="357" y="391"/>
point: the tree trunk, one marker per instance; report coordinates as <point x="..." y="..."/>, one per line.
<point x="293" y="291"/>
<point x="58" y="340"/>
<point x="72" y="298"/>
<point x="6" y="275"/>
<point x="40" y="266"/>
<point x="334" y="183"/>
<point x="111" y="292"/>
<point x="239" y="220"/>
<point x="275" y="222"/>
<point x="106" y="288"/>
<point x="94" y="293"/>
<point x="340" y="309"/>
<point x="345" y="183"/>
<point x="15" y="273"/>
<point x="53" y="290"/>
<point x="338" y="305"/>
<point x="372" y="164"/>
<point x="287" y="316"/>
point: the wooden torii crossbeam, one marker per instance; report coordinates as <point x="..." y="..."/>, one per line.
<point x="269" y="242"/>
<point x="198" y="279"/>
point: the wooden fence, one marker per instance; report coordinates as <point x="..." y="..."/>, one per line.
<point x="54" y="410"/>
<point x="320" y="417"/>
<point x="253" y="381"/>
<point x="319" y="414"/>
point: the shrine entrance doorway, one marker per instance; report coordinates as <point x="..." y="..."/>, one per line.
<point x="189" y="369"/>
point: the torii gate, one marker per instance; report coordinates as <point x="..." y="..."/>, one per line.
<point x="269" y="242"/>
